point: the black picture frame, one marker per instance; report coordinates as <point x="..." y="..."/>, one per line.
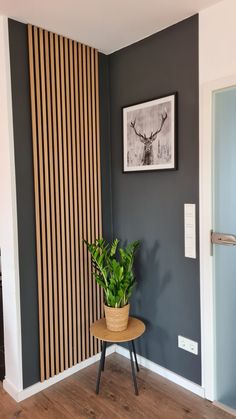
<point x="150" y="135"/>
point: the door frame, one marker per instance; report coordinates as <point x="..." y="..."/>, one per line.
<point x="205" y="226"/>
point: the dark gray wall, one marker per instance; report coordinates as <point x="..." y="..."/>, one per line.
<point x="150" y="206"/>
<point x="25" y="189"/>
<point x="18" y="41"/>
<point x="105" y="148"/>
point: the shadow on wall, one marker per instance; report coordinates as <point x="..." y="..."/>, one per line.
<point x="147" y="262"/>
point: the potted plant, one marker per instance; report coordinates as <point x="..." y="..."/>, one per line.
<point x="113" y="271"/>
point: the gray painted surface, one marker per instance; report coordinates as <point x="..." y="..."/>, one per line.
<point x="150" y="206"/>
<point x="25" y="189"/>
<point x="105" y="148"/>
<point x="25" y="200"/>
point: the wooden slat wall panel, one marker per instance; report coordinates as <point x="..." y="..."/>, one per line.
<point x="84" y="264"/>
<point x="87" y="224"/>
<point x="37" y="204"/>
<point x="61" y="217"/>
<point x="67" y="182"/>
<point x="99" y="194"/>
<point x="79" y="232"/>
<point x="54" y="342"/>
<point x="56" y="205"/>
<point x="73" y="206"/>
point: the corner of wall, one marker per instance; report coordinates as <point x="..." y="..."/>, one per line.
<point x="8" y="222"/>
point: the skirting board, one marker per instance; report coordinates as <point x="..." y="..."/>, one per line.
<point x="225" y="408"/>
<point x="169" y="375"/>
<point x="36" y="388"/>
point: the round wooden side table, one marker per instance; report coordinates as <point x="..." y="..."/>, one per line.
<point x="134" y="330"/>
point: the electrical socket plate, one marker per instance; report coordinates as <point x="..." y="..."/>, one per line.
<point x="188" y="345"/>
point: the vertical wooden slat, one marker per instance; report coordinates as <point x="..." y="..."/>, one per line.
<point x="67" y="181"/>
<point x="99" y="197"/>
<point x="47" y="201"/>
<point x="50" y="72"/>
<point x="84" y="278"/>
<point x="80" y="166"/>
<point x="57" y="135"/>
<point x="94" y="147"/>
<point x="42" y="205"/>
<point x="77" y="200"/>
<point x="62" y="204"/>
<point x="74" y="205"/>
<point x="90" y="201"/>
<point x="65" y="198"/>
<point x="87" y="210"/>
<point x="37" y="200"/>
<point x="54" y="300"/>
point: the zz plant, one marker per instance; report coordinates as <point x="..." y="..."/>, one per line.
<point x="113" y="270"/>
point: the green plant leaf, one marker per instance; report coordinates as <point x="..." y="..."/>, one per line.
<point x="113" y="271"/>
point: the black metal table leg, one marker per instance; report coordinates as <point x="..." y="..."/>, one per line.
<point x="101" y="366"/>
<point x="132" y="369"/>
<point x="104" y="358"/>
<point x="135" y="356"/>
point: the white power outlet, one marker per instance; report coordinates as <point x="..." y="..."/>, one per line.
<point x="188" y="345"/>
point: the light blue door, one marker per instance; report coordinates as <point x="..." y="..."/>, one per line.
<point x="224" y="216"/>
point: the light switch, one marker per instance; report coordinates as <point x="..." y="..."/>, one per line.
<point x="190" y="230"/>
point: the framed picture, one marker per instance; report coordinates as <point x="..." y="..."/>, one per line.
<point x="149" y="135"/>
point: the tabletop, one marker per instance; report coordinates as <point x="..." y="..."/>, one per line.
<point x="134" y="330"/>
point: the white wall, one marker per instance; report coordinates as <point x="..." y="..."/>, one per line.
<point x="8" y="223"/>
<point x="217" y="41"/>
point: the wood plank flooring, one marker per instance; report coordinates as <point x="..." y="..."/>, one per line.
<point x="75" y="398"/>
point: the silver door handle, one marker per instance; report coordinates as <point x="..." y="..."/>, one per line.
<point x="224" y="239"/>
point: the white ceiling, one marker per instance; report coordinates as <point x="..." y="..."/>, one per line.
<point x="107" y="25"/>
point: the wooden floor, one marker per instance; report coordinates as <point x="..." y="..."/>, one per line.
<point x="75" y="398"/>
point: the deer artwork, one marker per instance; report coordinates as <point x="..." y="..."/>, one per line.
<point x="147" y="158"/>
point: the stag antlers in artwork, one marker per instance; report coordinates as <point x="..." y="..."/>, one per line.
<point x="147" y="141"/>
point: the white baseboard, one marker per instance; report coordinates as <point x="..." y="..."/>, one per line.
<point x="36" y="388"/>
<point x="225" y="408"/>
<point x="11" y="389"/>
<point x="169" y="375"/>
